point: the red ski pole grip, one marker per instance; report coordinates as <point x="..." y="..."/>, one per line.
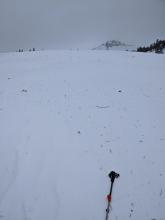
<point x="109" y="197"/>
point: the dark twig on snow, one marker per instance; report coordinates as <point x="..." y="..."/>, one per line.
<point x="97" y="106"/>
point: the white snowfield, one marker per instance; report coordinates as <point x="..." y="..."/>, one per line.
<point x="68" y="118"/>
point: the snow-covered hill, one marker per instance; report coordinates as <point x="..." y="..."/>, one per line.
<point x="115" y="45"/>
<point x="70" y="117"/>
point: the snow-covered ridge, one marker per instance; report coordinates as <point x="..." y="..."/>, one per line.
<point x="114" y="45"/>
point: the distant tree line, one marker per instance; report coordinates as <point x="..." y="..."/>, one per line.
<point x="32" y="49"/>
<point x="21" y="50"/>
<point x="156" y="47"/>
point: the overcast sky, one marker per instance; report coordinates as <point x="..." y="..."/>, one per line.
<point x="66" y="24"/>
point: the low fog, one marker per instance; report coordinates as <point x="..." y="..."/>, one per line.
<point x="84" y="24"/>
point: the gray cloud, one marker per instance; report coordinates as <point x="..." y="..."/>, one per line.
<point x="79" y="23"/>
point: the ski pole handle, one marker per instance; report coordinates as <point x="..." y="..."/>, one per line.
<point x="112" y="175"/>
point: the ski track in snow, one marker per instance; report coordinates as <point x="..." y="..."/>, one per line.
<point x="9" y="170"/>
<point x="70" y="117"/>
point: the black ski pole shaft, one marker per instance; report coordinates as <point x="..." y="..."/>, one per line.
<point x="109" y="197"/>
<point x="112" y="175"/>
<point x="110" y="193"/>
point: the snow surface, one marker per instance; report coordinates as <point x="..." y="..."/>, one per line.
<point x="70" y="117"/>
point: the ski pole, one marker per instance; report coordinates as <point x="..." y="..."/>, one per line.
<point x="112" y="175"/>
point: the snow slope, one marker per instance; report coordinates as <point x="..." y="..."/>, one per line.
<point x="70" y="117"/>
